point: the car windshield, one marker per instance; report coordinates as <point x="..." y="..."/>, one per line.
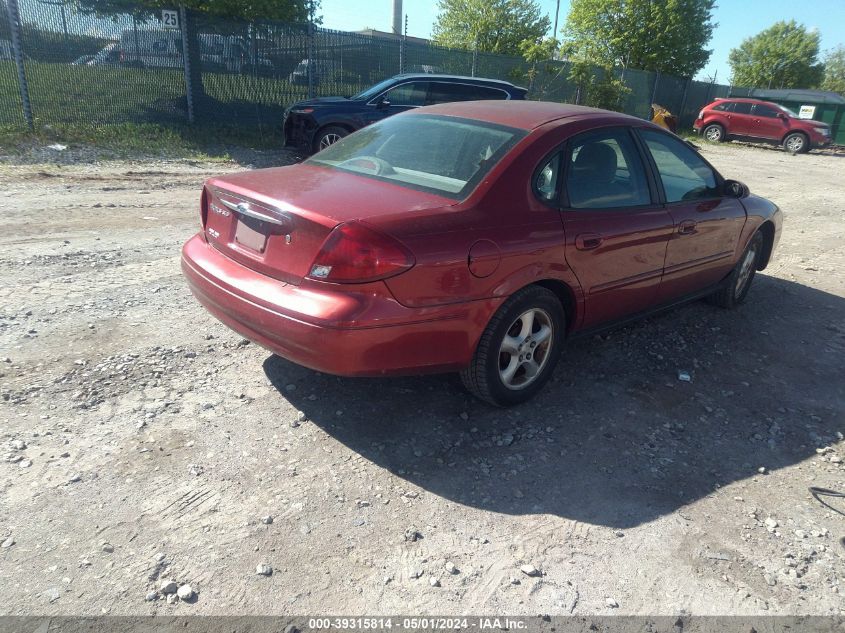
<point x="788" y="111"/>
<point x="443" y="155"/>
<point x="372" y="91"/>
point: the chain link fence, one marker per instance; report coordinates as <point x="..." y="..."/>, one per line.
<point x="172" y="67"/>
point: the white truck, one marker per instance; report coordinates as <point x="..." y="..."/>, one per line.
<point x="162" y="48"/>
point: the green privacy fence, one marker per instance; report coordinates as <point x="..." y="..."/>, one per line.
<point x="172" y="67"/>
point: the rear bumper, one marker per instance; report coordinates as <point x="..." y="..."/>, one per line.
<point x="351" y="330"/>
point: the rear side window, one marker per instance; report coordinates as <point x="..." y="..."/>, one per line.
<point x="604" y="171"/>
<point x="742" y="107"/>
<point x="684" y="174"/>
<point x="441" y="92"/>
<point x="545" y="181"/>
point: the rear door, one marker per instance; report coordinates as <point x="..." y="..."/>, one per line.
<point x="740" y="121"/>
<point x="707" y="224"/>
<point x="616" y="230"/>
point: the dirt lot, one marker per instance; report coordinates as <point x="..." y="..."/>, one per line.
<point x="142" y="441"/>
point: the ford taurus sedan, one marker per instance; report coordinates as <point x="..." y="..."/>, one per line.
<point x="474" y="237"/>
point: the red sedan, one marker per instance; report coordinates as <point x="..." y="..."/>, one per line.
<point x="473" y="237"/>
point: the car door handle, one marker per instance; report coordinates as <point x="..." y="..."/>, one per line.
<point x="588" y="241"/>
<point x="687" y="227"/>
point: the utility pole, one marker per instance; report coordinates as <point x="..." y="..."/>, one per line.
<point x="557" y="13"/>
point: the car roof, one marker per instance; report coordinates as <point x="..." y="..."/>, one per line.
<point x="526" y="115"/>
<point x="460" y="78"/>
<point x="743" y="100"/>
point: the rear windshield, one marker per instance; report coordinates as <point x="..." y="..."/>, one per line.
<point x="443" y="155"/>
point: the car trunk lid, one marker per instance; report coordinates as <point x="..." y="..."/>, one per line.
<point x="275" y="220"/>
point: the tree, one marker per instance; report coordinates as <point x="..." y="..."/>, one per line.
<point x="834" y="70"/>
<point x="667" y="36"/>
<point x="598" y="87"/>
<point x="492" y="26"/>
<point x="783" y="56"/>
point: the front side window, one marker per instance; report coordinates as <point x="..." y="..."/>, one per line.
<point x="409" y="94"/>
<point x="764" y="110"/>
<point x="444" y="155"/>
<point x="604" y="171"/>
<point x="742" y="107"/>
<point x="684" y="174"/>
<point x="723" y="107"/>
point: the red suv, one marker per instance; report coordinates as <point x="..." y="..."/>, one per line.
<point x="755" y="120"/>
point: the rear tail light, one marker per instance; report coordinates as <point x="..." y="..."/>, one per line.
<point x="204" y="208"/>
<point x="354" y="253"/>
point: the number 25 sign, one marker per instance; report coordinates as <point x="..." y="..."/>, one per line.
<point x="170" y="19"/>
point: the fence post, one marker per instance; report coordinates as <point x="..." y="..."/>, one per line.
<point x="186" y="62"/>
<point x="311" y="28"/>
<point x="17" y="51"/>
<point x="684" y="100"/>
<point x="654" y="90"/>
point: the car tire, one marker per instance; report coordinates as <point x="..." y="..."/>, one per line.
<point x="796" y="143"/>
<point x="736" y="286"/>
<point x="519" y="349"/>
<point x="714" y="133"/>
<point x="329" y="136"/>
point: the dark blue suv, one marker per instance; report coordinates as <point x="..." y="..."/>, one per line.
<point x="317" y="123"/>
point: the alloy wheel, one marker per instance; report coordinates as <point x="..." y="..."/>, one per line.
<point x="745" y="270"/>
<point x="525" y="348"/>
<point x="329" y="139"/>
<point x="713" y="134"/>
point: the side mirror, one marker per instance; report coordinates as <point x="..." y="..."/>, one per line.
<point x="736" y="189"/>
<point x="383" y="102"/>
<point x="782" y="115"/>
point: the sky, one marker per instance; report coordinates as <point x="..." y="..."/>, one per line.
<point x="737" y="20"/>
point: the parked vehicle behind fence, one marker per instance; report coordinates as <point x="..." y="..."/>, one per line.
<point x="109" y="55"/>
<point x="162" y="48"/>
<point x="473" y="237"/>
<point x="756" y="120"/>
<point x="317" y="123"/>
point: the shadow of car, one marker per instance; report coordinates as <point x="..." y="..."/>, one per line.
<point x="617" y="439"/>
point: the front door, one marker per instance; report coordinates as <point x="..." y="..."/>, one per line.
<point x="707" y="224"/>
<point x="616" y="232"/>
<point x="768" y="122"/>
<point x="412" y="94"/>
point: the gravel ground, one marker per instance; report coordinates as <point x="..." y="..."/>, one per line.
<point x="143" y="446"/>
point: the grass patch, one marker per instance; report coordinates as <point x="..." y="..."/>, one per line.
<point x="126" y="140"/>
